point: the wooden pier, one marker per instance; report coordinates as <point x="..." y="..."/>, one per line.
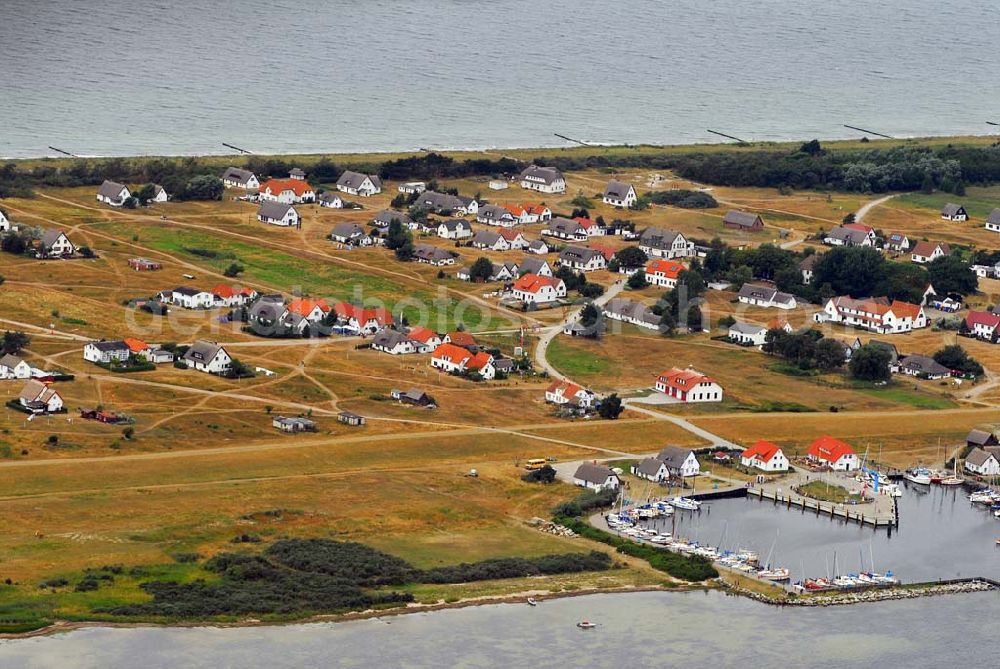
<point x="886" y="516"/>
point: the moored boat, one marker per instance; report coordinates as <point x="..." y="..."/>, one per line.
<point x="685" y="503"/>
<point x="586" y="625"/>
<point x="780" y="574"/>
<point x="920" y="476"/>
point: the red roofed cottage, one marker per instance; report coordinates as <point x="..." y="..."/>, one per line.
<point x="833" y="453"/>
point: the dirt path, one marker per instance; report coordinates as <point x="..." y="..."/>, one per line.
<point x="868" y="206"/>
<point x="550" y="333"/>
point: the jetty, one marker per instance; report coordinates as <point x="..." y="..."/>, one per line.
<point x="882" y="511"/>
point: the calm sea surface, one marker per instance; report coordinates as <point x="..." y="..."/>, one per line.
<point x="180" y="77"/>
<point x="634" y="630"/>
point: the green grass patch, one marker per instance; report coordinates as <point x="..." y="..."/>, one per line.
<point x="978" y="201"/>
<point x="789" y="369"/>
<point x="573" y="361"/>
<point x="914" y="398"/>
<point x="825" y="492"/>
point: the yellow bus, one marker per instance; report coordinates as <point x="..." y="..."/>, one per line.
<point x="535" y="463"/>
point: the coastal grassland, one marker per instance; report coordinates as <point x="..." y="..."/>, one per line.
<point x="630" y="435"/>
<point x="825" y="492"/>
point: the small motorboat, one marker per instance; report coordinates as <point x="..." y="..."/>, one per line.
<point x="685" y="503"/>
<point x="532" y="601"/>
<point x="919" y="476"/>
<point x="586" y="625"/>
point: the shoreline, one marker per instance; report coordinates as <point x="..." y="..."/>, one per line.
<point x="846" y="598"/>
<point x="385" y="154"/>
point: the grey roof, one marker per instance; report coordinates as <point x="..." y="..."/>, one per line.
<point x="493" y="212"/>
<point x="981" y="437"/>
<point x="347" y="230"/>
<point x="185" y="290"/>
<point x="330" y="196"/>
<point x="389" y="338"/>
<point x="354" y="180"/>
<point x="453" y="224"/>
<point x="439" y="201"/>
<point x="49" y="237"/>
<point x="10" y="360"/>
<point x="809" y="261"/>
<point x="302" y="423"/>
<point x="674" y="456"/>
<point x="545" y="174"/>
<point x="617" y="189"/>
<point x="758" y="291"/>
<point x="111" y="189"/>
<point x="593" y="473"/>
<point x="202" y="351"/>
<point x="296" y="172"/>
<point x="533" y="265"/>
<point x="32" y="389"/>
<point x="847" y="235"/>
<point x="431" y="252"/>
<point x="924" y="365"/>
<point x="537" y="244"/>
<point x="292" y="320"/>
<point x="386" y="216"/>
<point x="108" y="346"/>
<point x="503" y="364"/>
<point x="237" y="174"/>
<point x="658" y="238"/>
<point x="267" y="310"/>
<point x="994" y="217"/>
<point x="747" y="328"/>
<point x="649" y="466"/>
<point x="273" y="210"/>
<point x="950" y="209"/>
<point x="741" y="218"/>
<point x="630" y="309"/>
<point x="578" y="254"/>
<point x="485" y="238"/>
<point x="564" y="225"/>
<point x="978" y="457"/>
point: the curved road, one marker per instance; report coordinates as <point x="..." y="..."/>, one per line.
<point x="551" y="332"/>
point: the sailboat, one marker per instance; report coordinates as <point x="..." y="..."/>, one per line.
<point x="953" y="479"/>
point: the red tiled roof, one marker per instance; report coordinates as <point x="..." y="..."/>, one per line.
<point x="532" y="283"/>
<point x="479" y="360"/>
<point x="362" y="315"/>
<point x="585" y="222"/>
<point x="605" y="251"/>
<point x="135" y="345"/>
<point x="926" y="249"/>
<point x="829" y="449"/>
<point x="305" y="306"/>
<point x="762" y="450"/>
<point x="224" y="291"/>
<point x="514" y="209"/>
<point x="276" y="186"/>
<point x="569" y="389"/>
<point x="905" y="309"/>
<point x="858" y="226"/>
<point x="455" y="354"/>
<point x="683" y="379"/>
<point x="508" y="234"/>
<point x="462" y="338"/>
<point x="422" y="334"/>
<point x="985" y="318"/>
<point x="668" y="268"/>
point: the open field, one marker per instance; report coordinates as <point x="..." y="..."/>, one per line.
<point x="205" y="465"/>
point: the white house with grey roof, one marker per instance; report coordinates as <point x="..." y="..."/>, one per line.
<point x="14" y="367"/>
<point x="55" y="244"/>
<point x="582" y="259"/>
<point x="982" y="462"/>
<point x="747" y="334"/>
<point x="350" y="233"/>
<point x="494" y="214"/>
<point x="113" y="193"/>
<point x="565" y="228"/>
<point x="106" y="352"/>
<point x="542" y="179"/>
<point x="387" y="216"/>
<point x="844" y="236"/>
<point x="446" y="202"/>
<point x="428" y="253"/>
<point x="455" y="228"/>
<point x="993" y="220"/>
<point x="207" y="356"/>
<point x="596" y="477"/>
<point x="766" y="296"/>
<point x="538" y="247"/>
<point x="628" y="311"/>
<point x="190" y="298"/>
<point x="362" y="185"/>
<point x="331" y="201"/>
<point x="921" y="366"/>
<point x="4" y="222"/>
<point x="619" y="194"/>
<point x="538" y="266"/>
<point x="651" y="469"/>
<point x="278" y="213"/>
<point x="680" y="461"/>
<point x="665" y="243"/>
<point x="954" y="212"/>
<point x="235" y="177"/>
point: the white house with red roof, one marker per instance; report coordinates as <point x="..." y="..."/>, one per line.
<point x="232" y="296"/>
<point x="765" y="456"/>
<point x="427" y="338"/>
<point x="362" y="320"/>
<point x="525" y="214"/>
<point x="875" y="314"/>
<point x="688" y="385"/>
<point x="925" y="252"/>
<point x="983" y="325"/>
<point x="312" y="310"/>
<point x="833" y="453"/>
<point x="535" y="289"/>
<point x="287" y="191"/>
<point x="457" y="360"/>
<point x="663" y="273"/>
<point x="567" y="392"/>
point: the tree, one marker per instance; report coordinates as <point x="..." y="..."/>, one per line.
<point x="591" y="290"/>
<point x="481" y="270"/>
<point x="15" y="243"/>
<point x="397" y="235"/>
<point x="637" y="281"/>
<point x="849" y="218"/>
<point x="812" y="147"/>
<point x="405" y="251"/>
<point x="850" y="270"/>
<point x="611" y="407"/>
<point x="694" y="318"/>
<point x="955" y="357"/>
<point x="203" y="187"/>
<point x="871" y="363"/>
<point x="234" y="270"/>
<point x="631" y="257"/>
<point x="14" y="342"/>
<point x="145" y="194"/>
<point x="546" y="474"/>
<point x="950" y="274"/>
<point x="85" y="251"/>
<point x="128" y="432"/>
<point x="829" y="354"/>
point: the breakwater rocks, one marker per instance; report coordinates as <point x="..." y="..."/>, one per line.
<point x="841" y="598"/>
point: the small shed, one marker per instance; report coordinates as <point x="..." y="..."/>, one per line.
<point x="294" y="424"/>
<point x="352" y="419"/>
